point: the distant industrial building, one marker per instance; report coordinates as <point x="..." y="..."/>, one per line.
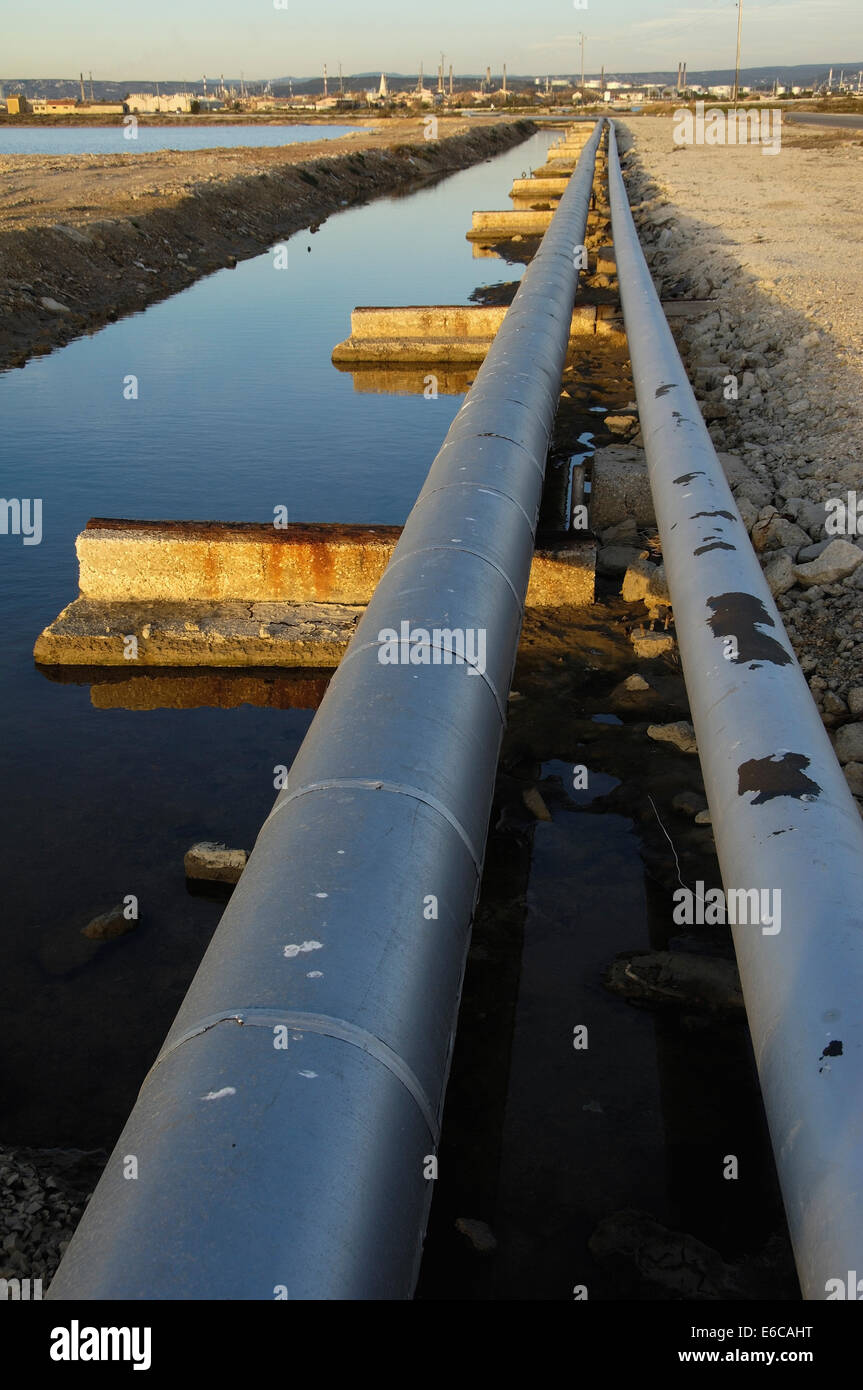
<point x="149" y="104"/>
<point x="53" y="106"/>
<point x="64" y="106"/>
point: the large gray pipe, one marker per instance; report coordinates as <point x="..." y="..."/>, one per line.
<point x="783" y="817"/>
<point x="281" y="1143"/>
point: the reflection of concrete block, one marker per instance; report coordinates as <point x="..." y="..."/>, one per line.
<point x="620" y="487"/>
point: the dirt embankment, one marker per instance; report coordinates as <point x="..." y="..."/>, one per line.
<point x="86" y="239"/>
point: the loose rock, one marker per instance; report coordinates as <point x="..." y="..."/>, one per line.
<point x="840" y="559"/>
<point x="649" y="644"/>
<point x="110" y="924"/>
<point x="214" y="862"/>
<point x="680" y="734"/>
<point x="849" y="743"/>
<point x="480" y="1235"/>
<point x="854" y="778"/>
<point x="535" y="804"/>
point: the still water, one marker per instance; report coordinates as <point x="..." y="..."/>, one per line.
<point x="239" y="410"/>
<point x="150" y="139"/>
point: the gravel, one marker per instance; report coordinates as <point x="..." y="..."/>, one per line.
<point x="43" y="1193"/>
<point x="776" y="360"/>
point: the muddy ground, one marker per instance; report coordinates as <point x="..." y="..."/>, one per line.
<point x="86" y="239"/>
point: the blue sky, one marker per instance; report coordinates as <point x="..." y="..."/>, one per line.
<point x="186" y="38"/>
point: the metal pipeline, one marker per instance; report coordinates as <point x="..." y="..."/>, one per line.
<point x="283" y="1143"/>
<point x="784" y="820"/>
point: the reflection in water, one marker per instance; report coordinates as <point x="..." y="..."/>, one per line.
<point x="239" y="411"/>
<point x="191" y="688"/>
<point x="411" y="381"/>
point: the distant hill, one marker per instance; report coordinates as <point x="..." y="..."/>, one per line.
<point x="799" y="75"/>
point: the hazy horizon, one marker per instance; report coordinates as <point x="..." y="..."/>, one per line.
<point x="260" y="41"/>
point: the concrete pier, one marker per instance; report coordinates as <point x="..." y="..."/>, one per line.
<point x="508" y="223"/>
<point x="237" y="594"/>
<point x="447" y="334"/>
<point x="536" y="190"/>
<point x="434" y="333"/>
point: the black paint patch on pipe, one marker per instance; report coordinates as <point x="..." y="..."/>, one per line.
<point x="740" y="616"/>
<point x="771" y="777"/>
<point x="729" y="516"/>
<point x="714" y="545"/>
<point x="663" y="390"/>
<point x="687" y="477"/>
<point x="833" y="1049"/>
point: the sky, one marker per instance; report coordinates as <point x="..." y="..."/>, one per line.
<point x="276" y="38"/>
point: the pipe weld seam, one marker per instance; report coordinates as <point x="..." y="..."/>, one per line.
<point x="372" y="784"/>
<point x="479" y="487"/>
<point x="354" y="650"/>
<point x="325" y="1025"/>
<point x="492" y="434"/>
<point x="466" y="550"/>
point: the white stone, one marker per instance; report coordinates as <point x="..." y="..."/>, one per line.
<point x="681" y="734"/>
<point x="840" y="559"/>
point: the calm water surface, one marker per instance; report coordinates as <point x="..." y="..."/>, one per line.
<point x="150" y="139"/>
<point x="239" y="410"/>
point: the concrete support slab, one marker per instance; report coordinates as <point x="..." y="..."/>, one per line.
<point x="620" y="488"/>
<point x="509" y="222"/>
<point x="178" y="561"/>
<point x="536" y="190"/>
<point x="555" y="168"/>
<point x="504" y="225"/>
<point x="91" y="632"/>
<point x="562" y="573"/>
<point x="213" y="594"/>
<point x="427" y="321"/>
<point x="554" y="187"/>
<point x="559" y="162"/>
<point x="606" y="261"/>
<point x="433" y="332"/>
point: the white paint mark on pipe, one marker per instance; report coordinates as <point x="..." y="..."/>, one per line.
<point x="219" y="1095"/>
<point x="296" y="950"/>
